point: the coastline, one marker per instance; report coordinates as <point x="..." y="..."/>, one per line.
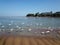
<point x="33" y="37"/>
<point x="33" y="33"/>
<point x="21" y="33"/>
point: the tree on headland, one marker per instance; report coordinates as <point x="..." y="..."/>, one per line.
<point x="45" y="14"/>
<point x="57" y="14"/>
<point x="30" y="15"/>
<point x="36" y="14"/>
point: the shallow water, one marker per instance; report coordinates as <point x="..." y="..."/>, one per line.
<point x="28" y="25"/>
<point x="41" y="22"/>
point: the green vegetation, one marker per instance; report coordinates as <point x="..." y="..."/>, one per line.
<point x="45" y="14"/>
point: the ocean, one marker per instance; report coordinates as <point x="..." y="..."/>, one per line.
<point x="27" y="25"/>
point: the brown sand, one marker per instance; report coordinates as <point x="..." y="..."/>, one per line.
<point x="26" y="40"/>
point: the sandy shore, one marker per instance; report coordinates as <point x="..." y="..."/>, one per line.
<point x="28" y="40"/>
<point x="49" y="37"/>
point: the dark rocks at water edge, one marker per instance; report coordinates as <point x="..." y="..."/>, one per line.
<point x="44" y="14"/>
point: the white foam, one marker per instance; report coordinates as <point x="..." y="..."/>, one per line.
<point x="17" y="26"/>
<point x="47" y="31"/>
<point x="29" y="29"/>
<point x="2" y="26"/>
<point x="42" y="32"/>
<point x="22" y="29"/>
<point x="11" y="29"/>
<point x="9" y="24"/>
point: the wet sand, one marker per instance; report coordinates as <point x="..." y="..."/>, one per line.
<point x="28" y="40"/>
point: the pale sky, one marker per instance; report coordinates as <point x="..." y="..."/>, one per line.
<point x="23" y="7"/>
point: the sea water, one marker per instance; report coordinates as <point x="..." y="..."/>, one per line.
<point x="27" y="25"/>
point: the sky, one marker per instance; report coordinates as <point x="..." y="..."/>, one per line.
<point x="23" y="7"/>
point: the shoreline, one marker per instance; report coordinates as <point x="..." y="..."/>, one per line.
<point x="33" y="33"/>
<point x="49" y="38"/>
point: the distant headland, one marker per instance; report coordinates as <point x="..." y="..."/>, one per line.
<point x="44" y="14"/>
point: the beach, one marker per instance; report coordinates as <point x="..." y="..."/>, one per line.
<point x="28" y="40"/>
<point x="49" y="38"/>
<point x="29" y="31"/>
<point x="29" y="22"/>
